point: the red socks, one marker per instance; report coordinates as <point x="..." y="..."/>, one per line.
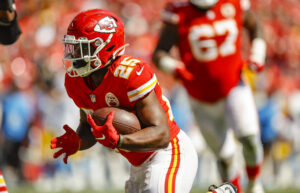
<point x="253" y="172"/>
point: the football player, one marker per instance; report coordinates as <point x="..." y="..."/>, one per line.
<point x="9" y="26"/>
<point x="98" y="75"/>
<point x="207" y="34"/>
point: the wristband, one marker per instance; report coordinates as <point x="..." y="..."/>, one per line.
<point x="120" y="141"/>
<point x="258" y="51"/>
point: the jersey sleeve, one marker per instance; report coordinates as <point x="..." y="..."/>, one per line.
<point x="141" y="82"/>
<point x="169" y="14"/>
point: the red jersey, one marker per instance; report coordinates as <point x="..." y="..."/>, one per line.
<point x="209" y="46"/>
<point x="128" y="80"/>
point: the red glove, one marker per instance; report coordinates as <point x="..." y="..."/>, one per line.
<point x="183" y="73"/>
<point x="254" y="66"/>
<point x="106" y="134"/>
<point x="69" y="142"/>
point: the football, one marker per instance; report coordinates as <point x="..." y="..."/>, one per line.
<point x="124" y="121"/>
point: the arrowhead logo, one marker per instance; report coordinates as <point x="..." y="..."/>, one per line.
<point x="111" y="100"/>
<point x="106" y="25"/>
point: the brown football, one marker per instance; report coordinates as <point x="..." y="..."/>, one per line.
<point x="124" y="121"/>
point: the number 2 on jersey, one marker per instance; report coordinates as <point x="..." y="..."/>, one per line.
<point x="125" y="67"/>
<point x="208" y="50"/>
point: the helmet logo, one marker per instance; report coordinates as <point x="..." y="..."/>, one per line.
<point x="111" y="100"/>
<point x="106" y="25"/>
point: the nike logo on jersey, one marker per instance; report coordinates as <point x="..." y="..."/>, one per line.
<point x="140" y="72"/>
<point x="101" y="138"/>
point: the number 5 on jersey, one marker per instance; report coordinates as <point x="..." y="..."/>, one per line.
<point x="125" y="68"/>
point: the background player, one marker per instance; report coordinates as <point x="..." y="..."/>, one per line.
<point x="99" y="75"/>
<point x="9" y="26"/>
<point x="208" y="33"/>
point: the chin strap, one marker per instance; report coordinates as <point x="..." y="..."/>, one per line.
<point x="103" y="45"/>
<point x="118" y="52"/>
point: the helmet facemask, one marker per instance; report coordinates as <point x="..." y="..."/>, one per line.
<point x="95" y="38"/>
<point x="81" y="55"/>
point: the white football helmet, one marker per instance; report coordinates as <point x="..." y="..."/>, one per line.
<point x="204" y="4"/>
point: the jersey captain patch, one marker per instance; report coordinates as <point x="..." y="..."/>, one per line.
<point x="111" y="100"/>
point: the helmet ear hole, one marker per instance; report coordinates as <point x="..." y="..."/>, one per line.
<point x="110" y="48"/>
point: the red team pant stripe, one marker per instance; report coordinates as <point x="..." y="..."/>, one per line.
<point x="3" y="189"/>
<point x="173" y="168"/>
<point x="2" y="184"/>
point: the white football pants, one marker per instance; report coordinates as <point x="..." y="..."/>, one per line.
<point x="170" y="170"/>
<point x="218" y="122"/>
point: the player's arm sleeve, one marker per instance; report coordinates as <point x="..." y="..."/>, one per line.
<point x="140" y="85"/>
<point x="9" y="31"/>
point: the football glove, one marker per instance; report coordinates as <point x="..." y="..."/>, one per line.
<point x="106" y="134"/>
<point x="183" y="73"/>
<point x="254" y="66"/>
<point x="257" y="55"/>
<point x="69" y="143"/>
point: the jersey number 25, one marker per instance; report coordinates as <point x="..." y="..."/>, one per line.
<point x="125" y="67"/>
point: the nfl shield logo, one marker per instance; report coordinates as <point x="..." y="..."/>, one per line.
<point x="93" y="98"/>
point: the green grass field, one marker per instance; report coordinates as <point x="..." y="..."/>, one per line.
<point x="31" y="190"/>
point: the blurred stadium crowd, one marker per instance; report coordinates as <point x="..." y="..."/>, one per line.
<point x="34" y="104"/>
